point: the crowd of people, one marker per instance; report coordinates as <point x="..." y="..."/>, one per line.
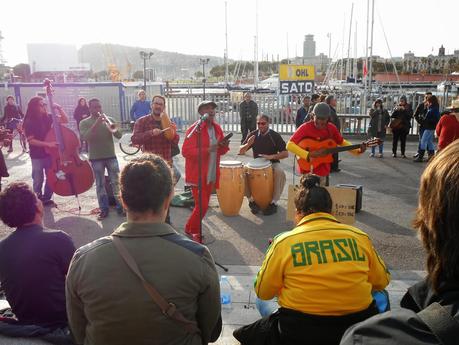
<point x="321" y="275"/>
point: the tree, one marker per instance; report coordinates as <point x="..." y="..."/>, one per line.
<point x="23" y="71"/>
<point x="198" y="74"/>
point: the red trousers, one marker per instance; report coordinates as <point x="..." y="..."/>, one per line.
<point x="192" y="226"/>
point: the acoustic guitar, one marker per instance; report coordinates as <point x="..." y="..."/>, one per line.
<point x="331" y="147"/>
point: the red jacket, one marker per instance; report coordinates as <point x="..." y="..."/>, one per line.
<point x="191" y="153"/>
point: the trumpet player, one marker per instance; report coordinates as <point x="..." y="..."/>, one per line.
<point x="98" y="131"/>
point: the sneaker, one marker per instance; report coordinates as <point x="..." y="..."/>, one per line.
<point x="403" y="156"/>
<point x="271" y="209"/>
<point x="394" y="155"/>
<point x="49" y="203"/>
<point x="372" y="155"/>
<point x="102" y="215"/>
<point x="254" y="207"/>
<point x="380" y="155"/>
<point x="335" y="170"/>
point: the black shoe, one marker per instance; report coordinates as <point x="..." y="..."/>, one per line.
<point x="271" y="209"/>
<point x="403" y="156"/>
<point x="416" y="155"/>
<point x="394" y="155"/>
<point x="335" y="170"/>
<point x="49" y="203"/>
<point x="254" y="207"/>
<point x="102" y="215"/>
<point x="418" y="159"/>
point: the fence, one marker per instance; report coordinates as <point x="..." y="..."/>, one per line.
<point x="280" y="108"/>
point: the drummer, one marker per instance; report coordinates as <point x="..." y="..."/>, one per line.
<point x="268" y="144"/>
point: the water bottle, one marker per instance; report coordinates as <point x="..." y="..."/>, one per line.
<point x="225" y="292"/>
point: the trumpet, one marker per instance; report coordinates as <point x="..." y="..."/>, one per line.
<point x="110" y="125"/>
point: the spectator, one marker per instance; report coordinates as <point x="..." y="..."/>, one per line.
<point x="419" y="115"/>
<point x="81" y="112"/>
<point x="331" y="101"/>
<point x="141" y="107"/>
<point x="447" y="129"/>
<point x="322" y="287"/>
<point x="33" y="266"/>
<point x="429" y="122"/>
<point x="248" y="111"/>
<point x="379" y="120"/>
<point x="12" y="115"/>
<point x="314" y="100"/>
<point x="302" y="113"/>
<point x="117" y="310"/>
<point x="437" y="296"/>
<point x="401" y="125"/>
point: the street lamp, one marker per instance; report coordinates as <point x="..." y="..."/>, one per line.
<point x="204" y="62"/>
<point x="145" y="56"/>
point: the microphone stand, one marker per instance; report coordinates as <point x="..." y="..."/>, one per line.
<point x="197" y="129"/>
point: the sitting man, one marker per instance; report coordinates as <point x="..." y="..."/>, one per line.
<point x="33" y="266"/>
<point x="323" y="273"/>
<point x="117" y="309"/>
<point x="318" y="129"/>
<point x="268" y="144"/>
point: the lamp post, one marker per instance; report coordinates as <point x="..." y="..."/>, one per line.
<point x="204" y="62"/>
<point x="145" y="56"/>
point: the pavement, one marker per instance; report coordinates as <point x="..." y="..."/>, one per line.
<point x="389" y="200"/>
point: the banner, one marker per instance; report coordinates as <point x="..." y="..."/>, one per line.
<point x="294" y="79"/>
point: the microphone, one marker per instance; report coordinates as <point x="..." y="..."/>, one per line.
<point x="204" y="117"/>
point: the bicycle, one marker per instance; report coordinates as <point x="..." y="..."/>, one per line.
<point x="125" y="142"/>
<point x="14" y="128"/>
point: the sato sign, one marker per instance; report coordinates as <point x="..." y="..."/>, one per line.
<point x="296" y="79"/>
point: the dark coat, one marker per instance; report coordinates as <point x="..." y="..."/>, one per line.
<point x="377" y="115"/>
<point x="334" y="118"/>
<point x="404" y="326"/>
<point x="301" y="116"/>
<point x="249" y="112"/>
<point x="405" y="115"/>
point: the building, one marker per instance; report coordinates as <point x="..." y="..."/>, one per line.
<point x="49" y="57"/>
<point x="309" y="47"/>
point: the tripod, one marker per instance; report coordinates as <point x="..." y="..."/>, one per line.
<point x="197" y="129"/>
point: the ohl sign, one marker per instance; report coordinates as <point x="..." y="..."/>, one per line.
<point x="296" y="79"/>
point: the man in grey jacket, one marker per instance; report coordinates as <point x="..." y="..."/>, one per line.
<point x="107" y="303"/>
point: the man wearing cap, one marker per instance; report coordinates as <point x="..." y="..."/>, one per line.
<point x="447" y="129"/>
<point x="213" y="146"/>
<point x="319" y="129"/>
<point x="248" y="111"/>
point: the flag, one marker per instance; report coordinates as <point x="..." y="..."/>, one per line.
<point x="365" y="70"/>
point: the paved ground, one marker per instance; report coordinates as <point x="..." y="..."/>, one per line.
<point x="389" y="199"/>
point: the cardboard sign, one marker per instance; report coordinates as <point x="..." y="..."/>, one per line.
<point x="343" y="203"/>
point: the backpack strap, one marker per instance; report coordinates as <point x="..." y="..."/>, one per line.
<point x="441" y="323"/>
<point x="168" y="309"/>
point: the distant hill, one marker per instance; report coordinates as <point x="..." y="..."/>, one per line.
<point x="167" y="65"/>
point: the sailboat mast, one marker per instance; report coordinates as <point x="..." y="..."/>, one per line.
<point x="348" y="65"/>
<point x="371" y="45"/>
<point x="255" y="81"/>
<point x="226" y="45"/>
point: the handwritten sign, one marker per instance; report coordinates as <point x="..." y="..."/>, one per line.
<point x="343" y="200"/>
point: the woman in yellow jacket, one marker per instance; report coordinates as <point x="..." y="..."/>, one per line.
<point x="322" y="272"/>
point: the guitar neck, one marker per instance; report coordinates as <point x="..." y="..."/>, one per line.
<point x="343" y="148"/>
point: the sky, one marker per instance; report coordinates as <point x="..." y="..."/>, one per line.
<point x="198" y="27"/>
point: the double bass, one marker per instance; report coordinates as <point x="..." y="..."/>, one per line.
<point x="68" y="174"/>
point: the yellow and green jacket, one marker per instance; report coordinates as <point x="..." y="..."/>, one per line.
<point x="322" y="267"/>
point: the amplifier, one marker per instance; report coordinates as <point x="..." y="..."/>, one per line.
<point x="359" y="193"/>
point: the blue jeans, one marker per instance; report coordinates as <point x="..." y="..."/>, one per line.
<point x="266" y="308"/>
<point x="113" y="170"/>
<point x="427" y="140"/>
<point x="373" y="148"/>
<point x="39" y="165"/>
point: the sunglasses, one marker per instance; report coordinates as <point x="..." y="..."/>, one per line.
<point x="261" y="123"/>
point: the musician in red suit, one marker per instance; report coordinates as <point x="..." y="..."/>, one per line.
<point x="212" y="147"/>
<point x="318" y="129"/>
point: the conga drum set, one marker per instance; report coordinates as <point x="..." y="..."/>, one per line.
<point x="233" y="175"/>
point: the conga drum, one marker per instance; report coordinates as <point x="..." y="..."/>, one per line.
<point x="261" y="181"/>
<point x="232" y="186"/>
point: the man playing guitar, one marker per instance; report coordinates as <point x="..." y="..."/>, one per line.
<point x="319" y="129"/>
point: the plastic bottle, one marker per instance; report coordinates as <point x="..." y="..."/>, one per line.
<point x="225" y="293"/>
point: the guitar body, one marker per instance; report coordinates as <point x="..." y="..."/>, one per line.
<point x="78" y="176"/>
<point x="311" y="145"/>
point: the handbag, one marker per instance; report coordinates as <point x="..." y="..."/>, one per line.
<point x="169" y="309"/>
<point x="395" y="123"/>
<point x="175" y="149"/>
